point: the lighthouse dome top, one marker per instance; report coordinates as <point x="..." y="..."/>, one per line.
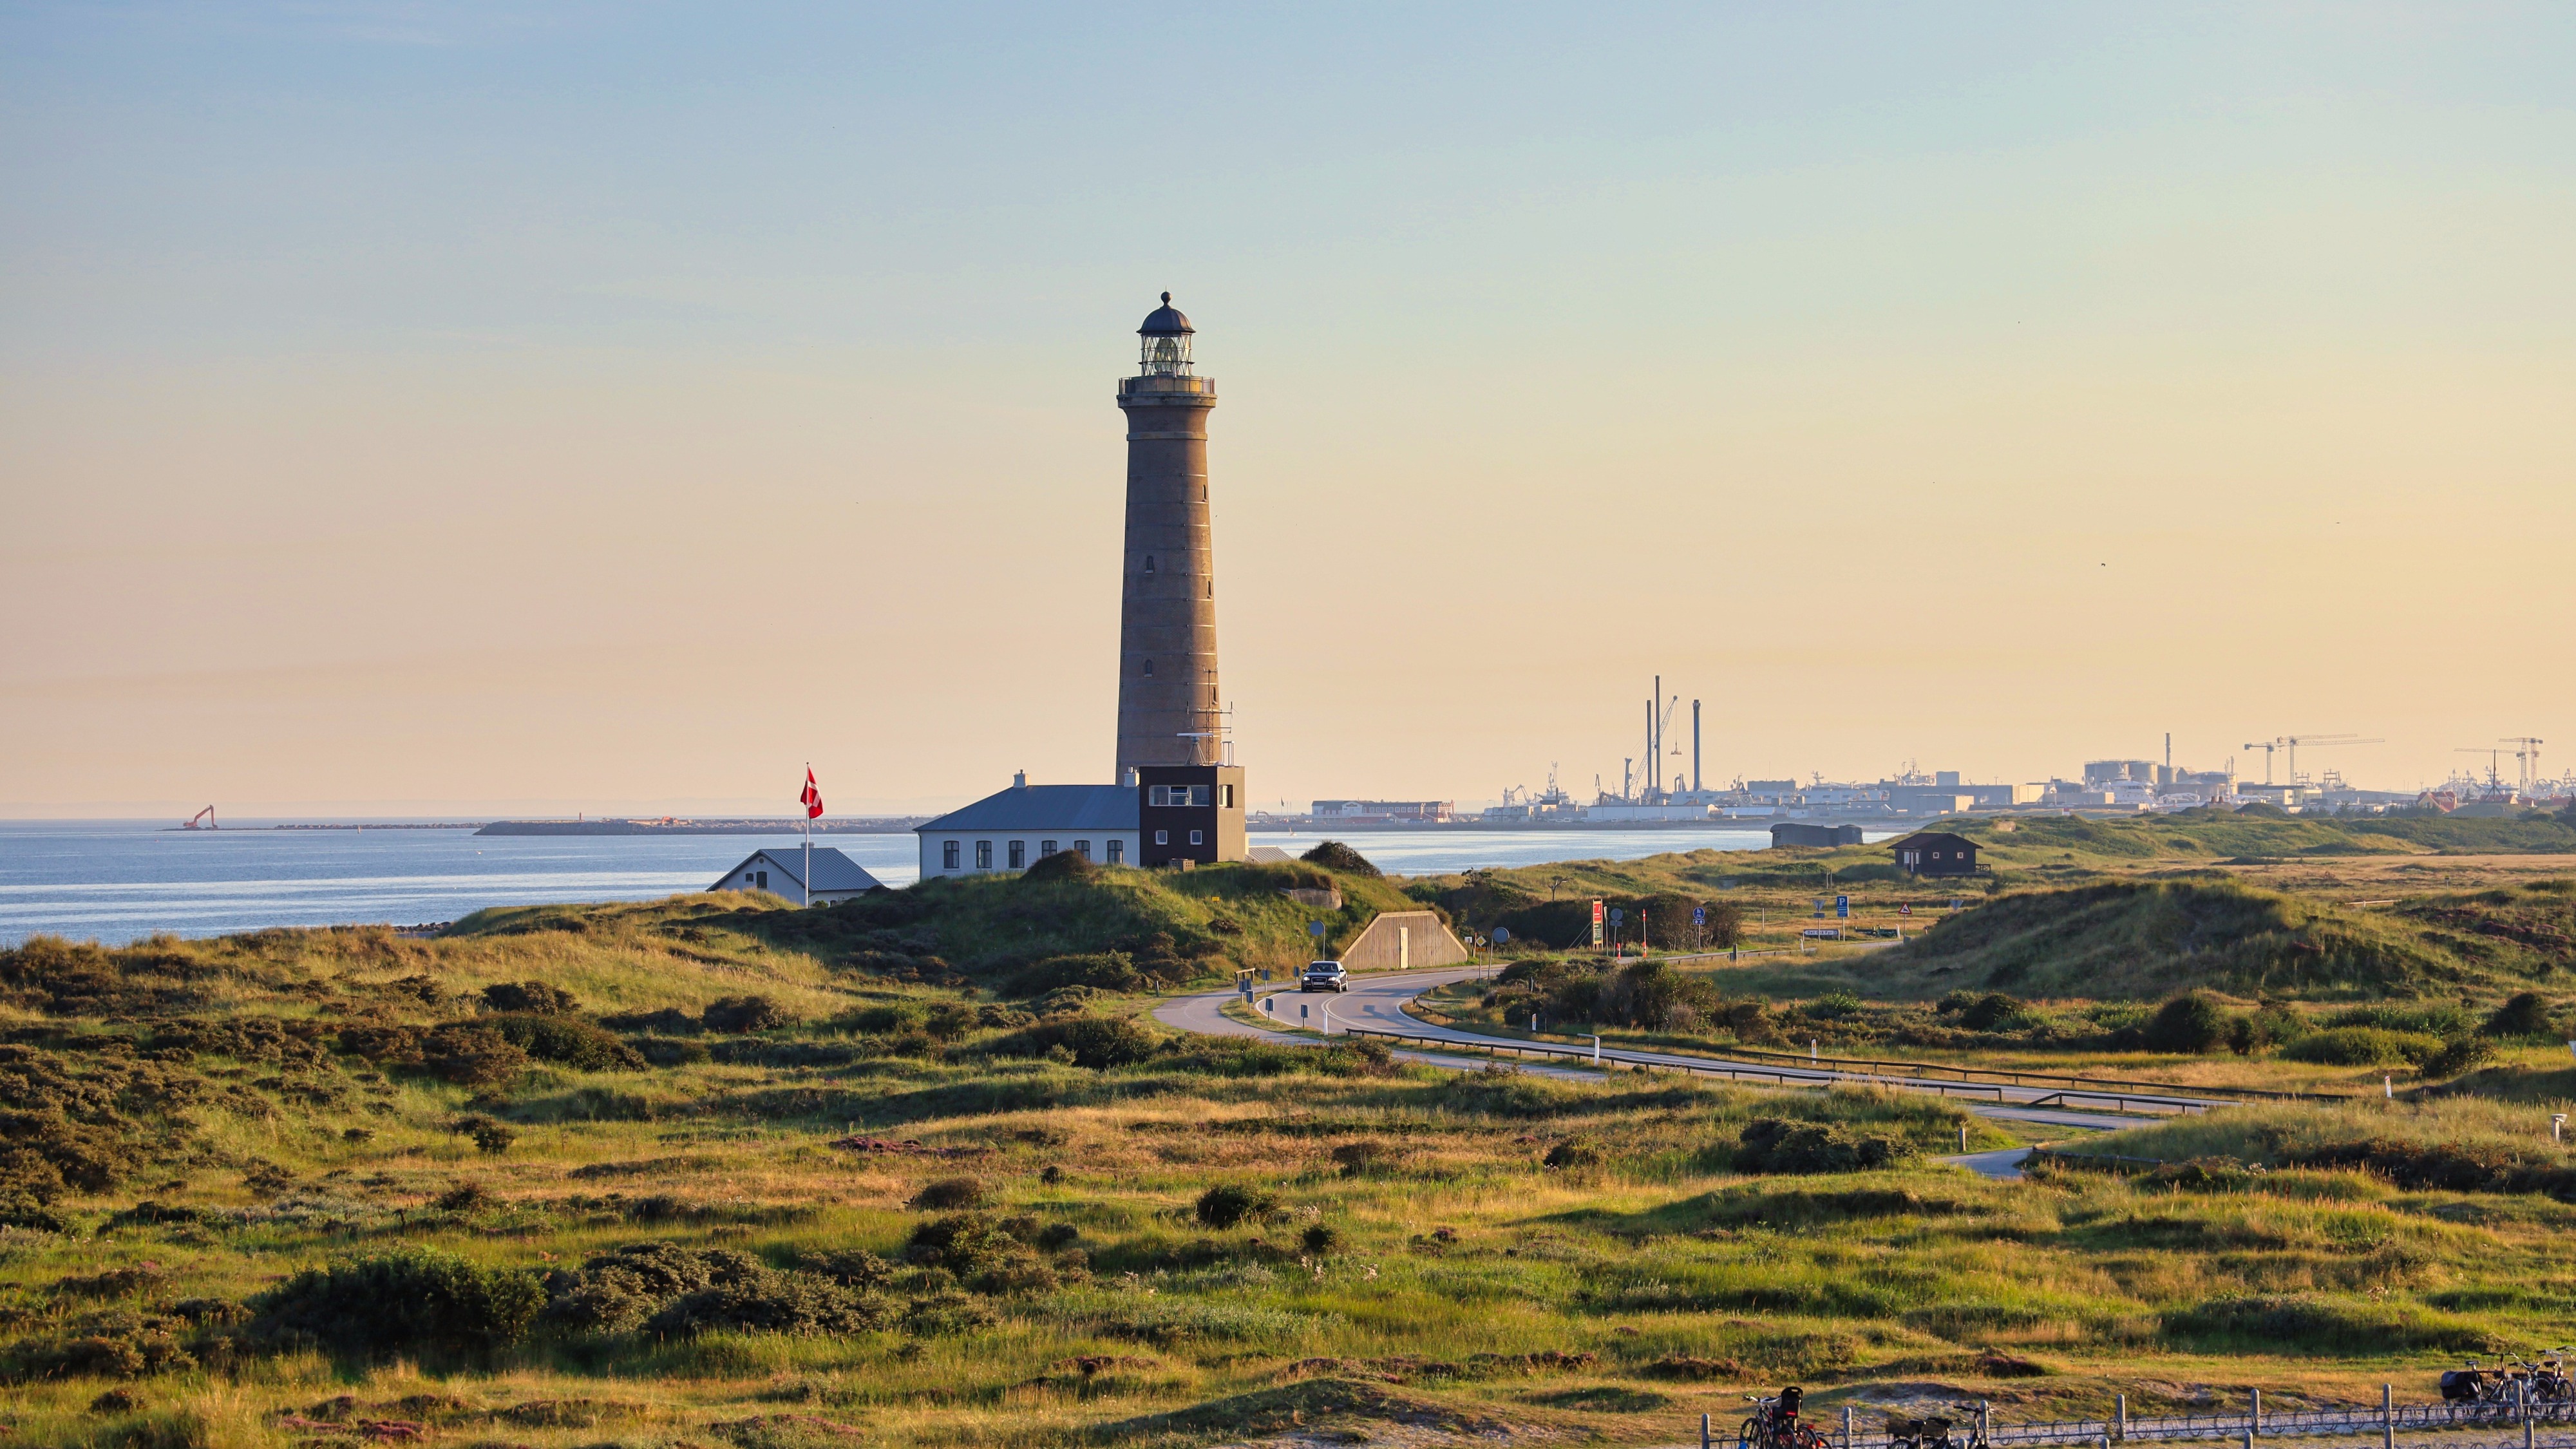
<point x="1166" y="321"/>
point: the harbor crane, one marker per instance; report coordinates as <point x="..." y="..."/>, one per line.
<point x="2526" y="759"/>
<point x="2291" y="744"/>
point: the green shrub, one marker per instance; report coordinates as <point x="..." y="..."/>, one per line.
<point x="1772" y="1144"/>
<point x="566" y="1042"/>
<point x="948" y="1193"/>
<point x="409" y="1300"/>
<point x="1227" y="1204"/>
<point x="2363" y="1046"/>
<point x="1573" y="1152"/>
<point x="1101" y="971"/>
<point x="1063" y="865"/>
<point x="1097" y="1042"/>
<point x="471" y="1054"/>
<point x="737" y="1014"/>
<point x="535" y="998"/>
<point x="2193" y="1022"/>
<point x="1320" y="1239"/>
<point x="2523" y="1016"/>
<point x="1334" y="856"/>
<point x="850" y="1267"/>
<point x="618" y="1290"/>
<point x="798" y="1304"/>
<point x="2458" y="1055"/>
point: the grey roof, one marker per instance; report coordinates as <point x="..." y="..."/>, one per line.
<point x="1045" y="807"/>
<point x="833" y="871"/>
<point x="1165" y="321"/>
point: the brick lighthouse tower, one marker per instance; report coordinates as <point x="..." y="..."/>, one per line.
<point x="1167" y="700"/>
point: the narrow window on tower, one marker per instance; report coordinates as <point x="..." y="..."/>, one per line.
<point x="1149" y="669"/>
<point x="1149" y="563"/>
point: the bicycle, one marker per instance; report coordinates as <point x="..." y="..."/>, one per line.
<point x="1933" y="1432"/>
<point x="1774" y="1423"/>
<point x="2547" y="1380"/>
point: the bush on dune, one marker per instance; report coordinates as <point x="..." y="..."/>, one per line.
<point x="407" y="1301"/>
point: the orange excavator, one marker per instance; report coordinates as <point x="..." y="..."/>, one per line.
<point x="202" y="820"/>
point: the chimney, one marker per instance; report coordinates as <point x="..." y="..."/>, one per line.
<point x="1020" y="780"/>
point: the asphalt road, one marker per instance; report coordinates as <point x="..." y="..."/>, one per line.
<point x="1377" y="1002"/>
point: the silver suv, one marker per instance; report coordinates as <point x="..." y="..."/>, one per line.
<point x="1325" y="976"/>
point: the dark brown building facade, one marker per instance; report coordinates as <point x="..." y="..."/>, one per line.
<point x="1936" y="852"/>
<point x="1191" y="813"/>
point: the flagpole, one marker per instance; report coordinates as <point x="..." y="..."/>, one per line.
<point x="809" y="839"/>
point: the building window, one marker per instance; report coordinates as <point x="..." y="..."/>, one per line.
<point x="1019" y="855"/>
<point x="1198" y="794"/>
<point x="1162" y="837"/>
<point x="1225" y="797"/>
<point x="1149" y="563"/>
<point x="1149" y="669"/>
<point x="1082" y="848"/>
<point x="1117" y="851"/>
<point x="1194" y="837"/>
<point x="764" y="880"/>
<point x="948" y="855"/>
<point x="983" y="855"/>
<point x="1045" y="849"/>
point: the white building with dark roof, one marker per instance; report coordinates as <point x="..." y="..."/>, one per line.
<point x="1016" y="828"/>
<point x="782" y="872"/>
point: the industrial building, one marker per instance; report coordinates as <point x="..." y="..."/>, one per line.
<point x="1379" y="812"/>
<point x="1791" y="832"/>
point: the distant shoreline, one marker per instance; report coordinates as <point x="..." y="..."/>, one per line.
<point x="897" y="825"/>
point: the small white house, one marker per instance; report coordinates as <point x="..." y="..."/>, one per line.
<point x="1026" y="823"/>
<point x="781" y="872"/>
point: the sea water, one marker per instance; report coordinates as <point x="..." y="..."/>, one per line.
<point x="118" y="881"/>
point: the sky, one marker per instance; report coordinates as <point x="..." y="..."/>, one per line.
<point x="410" y="408"/>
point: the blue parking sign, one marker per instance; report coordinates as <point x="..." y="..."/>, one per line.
<point x="1842" y="907"/>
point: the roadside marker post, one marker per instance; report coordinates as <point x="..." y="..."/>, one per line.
<point x="2387" y="1416"/>
<point x="1596" y="1049"/>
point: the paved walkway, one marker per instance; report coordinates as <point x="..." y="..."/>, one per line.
<point x="1376" y="1003"/>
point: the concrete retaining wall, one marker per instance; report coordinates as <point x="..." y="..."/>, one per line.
<point x="1399" y="939"/>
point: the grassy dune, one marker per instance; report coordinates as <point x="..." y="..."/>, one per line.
<point x="921" y="1214"/>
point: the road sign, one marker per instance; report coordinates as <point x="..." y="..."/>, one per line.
<point x="1502" y="935"/>
<point x="1699" y="915"/>
<point x="1314" y="928"/>
<point x="1820" y="908"/>
<point x="1906" y="909"/>
<point x="1842" y="907"/>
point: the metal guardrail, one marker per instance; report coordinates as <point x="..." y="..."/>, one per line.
<point x="1930" y="1071"/>
<point x="2522" y="1421"/>
<point x="1818" y="1079"/>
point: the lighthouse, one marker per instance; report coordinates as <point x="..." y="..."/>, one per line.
<point x="1167" y="699"/>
